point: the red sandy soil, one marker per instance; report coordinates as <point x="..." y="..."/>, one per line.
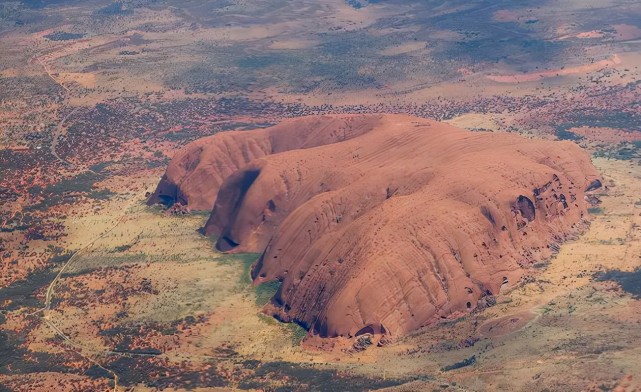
<point x="505" y="325"/>
<point x="506" y="16"/>
<point x="396" y="224"/>
<point x="626" y="32"/>
<point x="590" y="34"/>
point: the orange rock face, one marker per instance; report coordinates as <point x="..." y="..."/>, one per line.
<point x="384" y="223"/>
<point x="196" y="172"/>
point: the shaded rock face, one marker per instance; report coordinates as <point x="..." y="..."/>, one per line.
<point x="594" y="185"/>
<point x="236" y="191"/>
<point x="405" y="222"/>
<point x="526" y="208"/>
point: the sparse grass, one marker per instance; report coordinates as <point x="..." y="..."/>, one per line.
<point x="60" y="256"/>
<point x="63" y="36"/>
<point x="265" y="291"/>
<point x="268" y="320"/>
<point x="113" y="9"/>
<point x="103" y="194"/>
<point x="87" y="263"/>
<point x="595" y="210"/>
<point x="156" y="209"/>
<point x="466" y="362"/>
<point x="122" y="248"/>
<point x="542" y="265"/>
<point x="305" y="377"/>
<point x="246" y="260"/>
<point x="298" y="333"/>
<point x="204" y="213"/>
<point x="82" y="182"/>
<point x="625" y="153"/>
<point x="564" y="134"/>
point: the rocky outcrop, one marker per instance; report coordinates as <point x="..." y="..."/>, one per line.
<point x="406" y="221"/>
<point x="197" y="171"/>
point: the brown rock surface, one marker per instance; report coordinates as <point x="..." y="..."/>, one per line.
<point x="407" y="221"/>
<point x="197" y="171"/>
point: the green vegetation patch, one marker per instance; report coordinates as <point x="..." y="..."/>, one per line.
<point x="624" y="152"/>
<point x="63" y="36"/>
<point x="62" y="191"/>
<point x="114" y="9"/>
<point x="17" y="359"/>
<point x="627" y="121"/>
<point x="595" y="210"/>
<point x="90" y="263"/>
<point x="264" y="61"/>
<point x="563" y="134"/>
<point x="630" y="281"/>
<point x="265" y="292"/>
<point x="305" y="377"/>
<point x="103" y="194"/>
<point x="24" y="293"/>
<point x="298" y="333"/>
<point x="246" y="260"/>
<point x="466" y="362"/>
<point x="82" y="182"/>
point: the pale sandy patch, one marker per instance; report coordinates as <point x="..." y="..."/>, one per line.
<point x="403" y="48"/>
<point x="566" y="32"/>
<point x="505" y="16"/>
<point x="475" y="121"/>
<point x="292" y="44"/>
<point x="590" y="34"/>
<point x="626" y="32"/>
<point x="536" y="76"/>
<point x="87" y="80"/>
<point x="246" y="33"/>
<point x="507" y="324"/>
<point x="63" y="49"/>
<point x="390" y="30"/>
<point x="9" y="73"/>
